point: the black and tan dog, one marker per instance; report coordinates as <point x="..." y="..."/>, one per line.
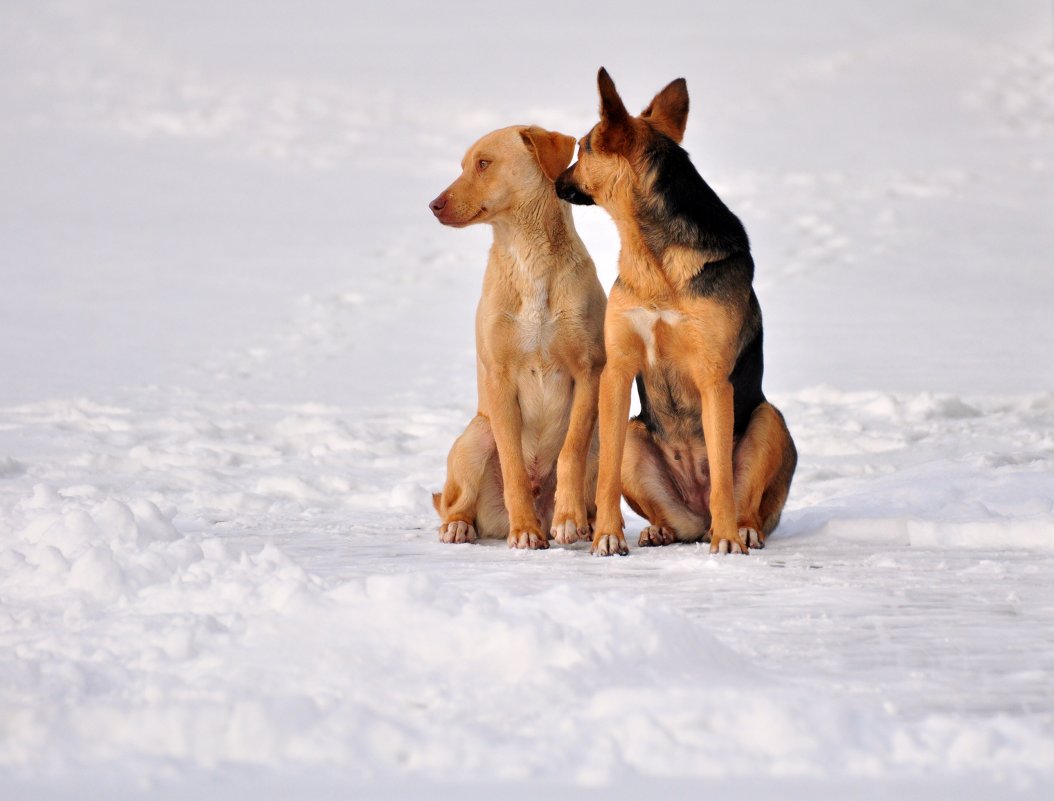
<point x="707" y="455"/>
<point x="526" y="465"/>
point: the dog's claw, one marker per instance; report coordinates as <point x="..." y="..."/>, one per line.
<point x="568" y="532"/>
<point x="728" y="546"/>
<point x="656" y="535"/>
<point x="609" y="545"/>
<point x="751" y="537"/>
<point x="457" y="531"/>
<point x="530" y="540"/>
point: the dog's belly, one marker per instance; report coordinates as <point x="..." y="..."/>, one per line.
<point x="688" y="467"/>
<point x="545" y="408"/>
<point x="672" y="402"/>
<point x="672" y="410"/>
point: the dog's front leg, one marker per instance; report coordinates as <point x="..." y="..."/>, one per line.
<point x="615" y="383"/>
<point x="571" y="520"/>
<point x="524" y="529"/>
<point x="718" y="418"/>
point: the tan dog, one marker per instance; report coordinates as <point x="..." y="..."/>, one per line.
<point x="708" y="456"/>
<point x="526" y="464"/>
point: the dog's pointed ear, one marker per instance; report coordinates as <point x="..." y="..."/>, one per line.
<point x="612" y="110"/>
<point x="615" y="131"/>
<point x="668" y="111"/>
<point x="552" y="150"/>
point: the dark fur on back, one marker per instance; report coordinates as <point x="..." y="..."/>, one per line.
<point x="683" y="211"/>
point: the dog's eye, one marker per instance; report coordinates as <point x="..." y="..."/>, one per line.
<point x="483" y="164"/>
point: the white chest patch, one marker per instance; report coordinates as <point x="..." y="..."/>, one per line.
<point x="643" y="322"/>
<point x="535" y="322"/>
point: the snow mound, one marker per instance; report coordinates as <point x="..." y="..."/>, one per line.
<point x="104" y="549"/>
<point x="924" y="470"/>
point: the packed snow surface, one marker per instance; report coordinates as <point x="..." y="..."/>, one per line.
<point x="235" y="349"/>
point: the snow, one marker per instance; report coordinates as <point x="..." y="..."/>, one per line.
<point x="236" y="349"/>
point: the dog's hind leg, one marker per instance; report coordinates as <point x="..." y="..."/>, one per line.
<point x="651" y="492"/>
<point x="764" y="462"/>
<point x="470" y="465"/>
<point x="492" y="518"/>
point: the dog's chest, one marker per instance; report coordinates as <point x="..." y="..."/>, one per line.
<point x="645" y="322"/>
<point x="535" y="322"/>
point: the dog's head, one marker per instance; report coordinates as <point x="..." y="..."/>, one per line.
<point x="612" y="157"/>
<point x="501" y="172"/>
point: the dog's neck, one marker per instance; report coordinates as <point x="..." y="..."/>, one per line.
<point x="641" y="269"/>
<point x="671" y="225"/>
<point x="657" y="272"/>
<point x="536" y="235"/>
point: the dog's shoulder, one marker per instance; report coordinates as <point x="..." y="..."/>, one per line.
<point x="724" y="280"/>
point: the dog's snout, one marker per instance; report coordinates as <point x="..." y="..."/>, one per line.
<point x="438" y="204"/>
<point x="566" y="190"/>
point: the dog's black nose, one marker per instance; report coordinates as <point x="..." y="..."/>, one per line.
<point x="438" y="204"/>
<point x="565" y="190"/>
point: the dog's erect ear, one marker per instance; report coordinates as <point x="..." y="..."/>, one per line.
<point x="615" y="131"/>
<point x="612" y="110"/>
<point x="553" y="150"/>
<point x="668" y="111"/>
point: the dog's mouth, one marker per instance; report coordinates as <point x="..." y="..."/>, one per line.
<point x="565" y="190"/>
<point x="463" y="223"/>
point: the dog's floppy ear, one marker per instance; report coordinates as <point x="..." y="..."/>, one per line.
<point x="553" y="150"/>
<point x="668" y="111"/>
<point x="615" y="130"/>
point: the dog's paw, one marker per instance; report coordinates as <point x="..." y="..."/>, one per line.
<point x="609" y="545"/>
<point x="528" y="539"/>
<point x="752" y="537"/>
<point x="568" y="532"/>
<point x="733" y="543"/>
<point x="656" y="535"/>
<point x="457" y="531"/>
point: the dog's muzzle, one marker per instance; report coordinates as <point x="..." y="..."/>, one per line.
<point x="565" y="190"/>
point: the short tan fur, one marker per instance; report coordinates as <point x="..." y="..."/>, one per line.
<point x="525" y="467"/>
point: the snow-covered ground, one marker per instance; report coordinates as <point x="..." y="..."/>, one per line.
<point x="228" y="331"/>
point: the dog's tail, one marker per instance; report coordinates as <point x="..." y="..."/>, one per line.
<point x="437" y="499"/>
